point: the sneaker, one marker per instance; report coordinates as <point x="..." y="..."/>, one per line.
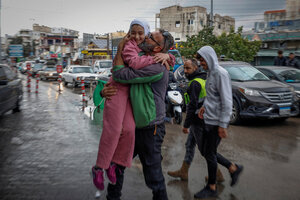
<point x="206" y="193"/>
<point x="111" y="174"/>
<point x="98" y="178"/>
<point x="235" y="175"/>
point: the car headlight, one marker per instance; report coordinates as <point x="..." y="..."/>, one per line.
<point x="250" y="92"/>
<point x="50" y="74"/>
<point x="292" y="89"/>
<point x="297" y="93"/>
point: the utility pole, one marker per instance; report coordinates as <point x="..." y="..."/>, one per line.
<point x="107" y="44"/>
<point x="211" y="13"/>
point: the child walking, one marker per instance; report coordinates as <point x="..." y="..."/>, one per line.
<point x="116" y="145"/>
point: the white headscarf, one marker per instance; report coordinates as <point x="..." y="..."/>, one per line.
<point x="142" y="23"/>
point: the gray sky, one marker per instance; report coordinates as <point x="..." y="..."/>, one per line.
<point x="99" y="16"/>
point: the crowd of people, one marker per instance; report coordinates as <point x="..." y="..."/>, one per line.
<point x="290" y="61"/>
<point x="137" y="93"/>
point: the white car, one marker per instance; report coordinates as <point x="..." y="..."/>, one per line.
<point x="102" y="66"/>
<point x="75" y="73"/>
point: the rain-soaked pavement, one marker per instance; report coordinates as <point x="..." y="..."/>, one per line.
<point x="47" y="150"/>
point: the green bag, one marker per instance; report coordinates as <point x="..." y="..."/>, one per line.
<point x="97" y="99"/>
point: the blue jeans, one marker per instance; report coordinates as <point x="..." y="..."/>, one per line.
<point x="148" y="143"/>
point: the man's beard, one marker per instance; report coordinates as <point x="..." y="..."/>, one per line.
<point x="147" y="48"/>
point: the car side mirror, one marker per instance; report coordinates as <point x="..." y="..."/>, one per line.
<point x="3" y="82"/>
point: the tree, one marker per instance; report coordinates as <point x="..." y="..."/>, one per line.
<point x="232" y="45"/>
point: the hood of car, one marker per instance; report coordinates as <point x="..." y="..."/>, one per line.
<point x="85" y="74"/>
<point x="264" y="86"/>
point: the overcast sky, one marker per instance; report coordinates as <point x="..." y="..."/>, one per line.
<point x="99" y="16"/>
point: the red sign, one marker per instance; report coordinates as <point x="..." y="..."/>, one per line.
<point x="59" y="68"/>
<point x="28" y="66"/>
<point x="53" y="55"/>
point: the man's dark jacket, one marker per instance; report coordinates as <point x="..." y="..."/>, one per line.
<point x="193" y="91"/>
<point x="280" y="61"/>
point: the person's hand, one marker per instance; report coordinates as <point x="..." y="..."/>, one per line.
<point x="124" y="41"/>
<point x="161" y="58"/>
<point x="185" y="130"/>
<point x="201" y="112"/>
<point x="108" y="91"/>
<point x="222" y="132"/>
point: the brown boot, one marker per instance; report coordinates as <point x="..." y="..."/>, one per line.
<point x="182" y="173"/>
<point x="220" y="177"/>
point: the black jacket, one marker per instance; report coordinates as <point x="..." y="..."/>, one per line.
<point x="193" y="91"/>
<point x="293" y="63"/>
<point x="280" y="61"/>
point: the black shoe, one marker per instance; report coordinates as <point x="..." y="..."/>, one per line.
<point x="235" y="175"/>
<point x="206" y="193"/>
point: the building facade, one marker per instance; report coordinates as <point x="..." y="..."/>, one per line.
<point x="187" y="21"/>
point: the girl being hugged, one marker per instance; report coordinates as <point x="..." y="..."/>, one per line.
<point x="116" y="144"/>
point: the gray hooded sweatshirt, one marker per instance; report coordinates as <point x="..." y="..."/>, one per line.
<point x="218" y="101"/>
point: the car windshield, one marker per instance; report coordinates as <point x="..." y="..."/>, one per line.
<point x="82" y="70"/>
<point x="178" y="59"/>
<point x="245" y="73"/>
<point x="106" y="64"/>
<point x="50" y="69"/>
<point x="38" y="66"/>
<point x="288" y="75"/>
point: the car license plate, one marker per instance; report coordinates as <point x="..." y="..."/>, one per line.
<point x="284" y="110"/>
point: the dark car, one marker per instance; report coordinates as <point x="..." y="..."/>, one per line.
<point x="256" y="96"/>
<point x="11" y="91"/>
<point x="288" y="75"/>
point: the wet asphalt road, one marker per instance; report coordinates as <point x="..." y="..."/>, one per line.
<point x="47" y="150"/>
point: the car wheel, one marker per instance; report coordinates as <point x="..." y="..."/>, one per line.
<point x="74" y="84"/>
<point x="235" y="115"/>
<point x="17" y="108"/>
<point x="65" y="83"/>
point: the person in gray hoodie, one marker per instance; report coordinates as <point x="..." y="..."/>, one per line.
<point x="216" y="111"/>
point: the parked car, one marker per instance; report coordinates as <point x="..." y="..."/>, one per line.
<point x="11" y="91"/>
<point x="256" y="96"/>
<point x="48" y="72"/>
<point x="287" y="75"/>
<point x="75" y="73"/>
<point x="37" y="67"/>
<point x="24" y="66"/>
<point x="102" y="66"/>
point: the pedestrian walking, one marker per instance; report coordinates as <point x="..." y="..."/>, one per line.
<point x="292" y="61"/>
<point x="193" y="125"/>
<point x="216" y="111"/>
<point x="117" y="140"/>
<point x="280" y="60"/>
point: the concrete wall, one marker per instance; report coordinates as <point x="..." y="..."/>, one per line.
<point x="182" y="21"/>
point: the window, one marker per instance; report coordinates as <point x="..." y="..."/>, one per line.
<point x="201" y="22"/>
<point x="190" y="21"/>
<point x="219" y="26"/>
<point x="177" y="24"/>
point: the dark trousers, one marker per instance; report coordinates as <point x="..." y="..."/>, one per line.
<point x="114" y="191"/>
<point x="148" y="143"/>
<point x="211" y="140"/>
<point x="190" y="145"/>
